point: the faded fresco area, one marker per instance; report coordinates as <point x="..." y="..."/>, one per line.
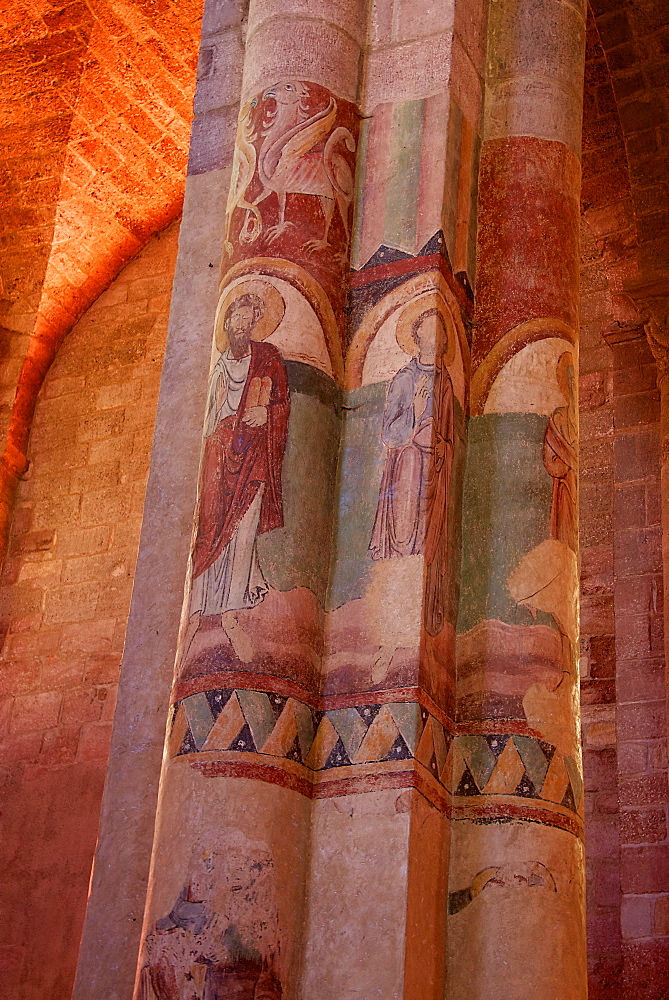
<point x="291" y="194"/>
<point x="327" y="529"/>
<point x="519" y="578"/>
<point x="266" y="498"/>
<point x="335" y="593"/>
<point x="393" y="594"/>
<point x="221" y="937"/>
<point x="225" y="915"/>
<point x="272" y="421"/>
<point x="530" y="867"/>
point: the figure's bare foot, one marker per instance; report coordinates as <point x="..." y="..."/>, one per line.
<point x="239" y="639"/>
<point x="381" y="664"/>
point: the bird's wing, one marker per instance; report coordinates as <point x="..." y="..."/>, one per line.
<point x="314" y="129"/>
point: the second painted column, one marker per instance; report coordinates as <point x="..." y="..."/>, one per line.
<point x="516" y="901"/>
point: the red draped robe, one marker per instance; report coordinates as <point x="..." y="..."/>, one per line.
<point x="560" y="461"/>
<point x="239" y="459"/>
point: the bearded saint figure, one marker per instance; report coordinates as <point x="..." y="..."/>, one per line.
<point x="240" y="493"/>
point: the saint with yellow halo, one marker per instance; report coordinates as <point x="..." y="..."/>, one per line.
<point x="418" y="432"/>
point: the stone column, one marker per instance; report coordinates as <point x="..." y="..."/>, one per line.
<point x="111" y="937"/>
<point x="642" y="604"/>
<point x="380" y="817"/>
<point x="516" y="902"/>
<point x="227" y="899"/>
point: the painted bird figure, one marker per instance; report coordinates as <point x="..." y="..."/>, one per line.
<point x="289" y="161"/>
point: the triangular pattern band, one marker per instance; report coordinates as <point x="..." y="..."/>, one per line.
<point x="470" y="769"/>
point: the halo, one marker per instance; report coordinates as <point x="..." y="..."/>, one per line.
<point x="275" y="308"/>
<point x="411" y="312"/>
<point x="565" y="362"/>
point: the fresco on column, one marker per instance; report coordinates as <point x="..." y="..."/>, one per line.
<point x="266" y="498"/>
<point x="224" y="916"/>
<point x="322" y="595"/>
<point x="394" y="585"/>
<point x="516" y="772"/>
<point x="319" y="636"/>
<point x="327" y="538"/>
<point x="221" y="937"/>
<point x="389" y="480"/>
<point x="327" y="533"/>
<point x="518" y="624"/>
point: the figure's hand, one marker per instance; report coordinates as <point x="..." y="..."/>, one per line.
<point x="421" y="398"/>
<point x="221" y="391"/>
<point x="554" y="465"/>
<point x="255" y="416"/>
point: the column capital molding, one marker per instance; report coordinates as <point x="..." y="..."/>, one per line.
<point x="658" y="340"/>
<point x="618" y="334"/>
<point x="650" y="294"/>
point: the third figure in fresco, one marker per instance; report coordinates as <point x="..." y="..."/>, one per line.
<point x="560" y="458"/>
<point x="240" y="481"/>
<point x="418" y="432"/>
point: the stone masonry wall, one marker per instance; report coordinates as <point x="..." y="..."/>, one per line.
<point x="598" y="661"/>
<point x="605" y="237"/>
<point x="64" y="600"/>
<point x="623" y="673"/>
<point x="643" y="793"/>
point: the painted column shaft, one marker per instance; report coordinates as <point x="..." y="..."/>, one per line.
<point x="225" y="908"/>
<point x="516" y="900"/>
<point x="380" y="819"/>
<point x="312" y="708"/>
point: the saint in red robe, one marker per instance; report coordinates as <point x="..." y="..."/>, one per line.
<point x="239" y="461"/>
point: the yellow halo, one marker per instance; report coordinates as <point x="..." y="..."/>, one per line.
<point x="565" y="362"/>
<point x="275" y="308"/>
<point x="411" y="312"/>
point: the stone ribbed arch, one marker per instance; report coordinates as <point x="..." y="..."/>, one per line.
<point x="96" y="125"/>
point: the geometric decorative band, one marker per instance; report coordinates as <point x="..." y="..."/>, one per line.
<point x="490" y="776"/>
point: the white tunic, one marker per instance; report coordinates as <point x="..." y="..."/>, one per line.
<point x="235" y="580"/>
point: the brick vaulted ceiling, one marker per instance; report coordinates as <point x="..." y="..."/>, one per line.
<point x="95" y="112"/>
<point x="626" y="150"/>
